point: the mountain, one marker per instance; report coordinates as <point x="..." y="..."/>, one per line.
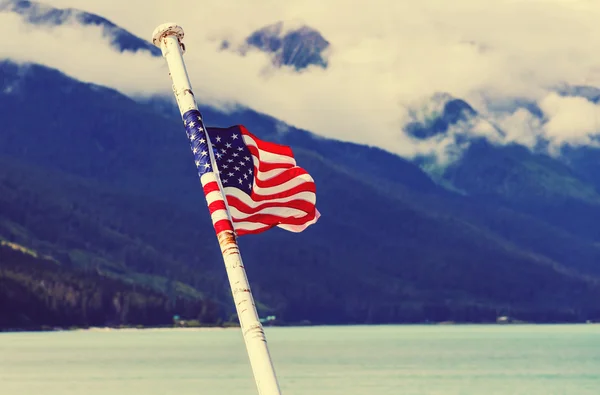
<point x="41" y="14"/>
<point x="391" y="246"/>
<point x="297" y="47"/>
<point x="103" y="184"/>
<point x="443" y="112"/>
<point x="562" y="191"/>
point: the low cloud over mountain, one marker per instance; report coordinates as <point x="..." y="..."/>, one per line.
<point x="371" y="67"/>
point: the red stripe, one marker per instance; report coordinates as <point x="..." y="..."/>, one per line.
<point x="281" y="178"/>
<point x="216" y="205"/>
<point x="241" y="232"/>
<point x="266" y="166"/>
<point x="268" y="146"/>
<point x="308" y="186"/>
<point x="271" y="224"/>
<point x="298" y="204"/>
<point x="210" y="187"/>
<point x="269" y="219"/>
<point x="222" y="225"/>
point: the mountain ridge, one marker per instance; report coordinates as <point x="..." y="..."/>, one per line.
<point x="433" y="245"/>
<point x="108" y="184"/>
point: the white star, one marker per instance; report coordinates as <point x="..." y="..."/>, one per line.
<point x="223" y="150"/>
<point x="250" y="185"/>
<point x="237" y="168"/>
<point x="240" y="180"/>
<point x="242" y="163"/>
<point x="240" y="148"/>
<point x="230" y="174"/>
<point x="235" y="154"/>
<point x="207" y="165"/>
<point x="225" y="166"/>
<point x="200" y="129"/>
<point x="202" y="141"/>
<point x="199" y="117"/>
<point x="250" y="171"/>
<point x="229" y="160"/>
<point x="193" y="137"/>
<point x="192" y="124"/>
<point x="197" y="163"/>
<point x="246" y="158"/>
<point x="219" y="155"/>
<point x="218" y="139"/>
<point x="234" y="136"/>
<point x="204" y="153"/>
<point x="195" y="150"/>
<point x="228" y="145"/>
<point x="245" y="176"/>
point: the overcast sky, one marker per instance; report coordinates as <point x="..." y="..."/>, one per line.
<point x="386" y="57"/>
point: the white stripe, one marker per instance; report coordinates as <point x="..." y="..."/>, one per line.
<point x="294" y="182"/>
<point x="218" y="216"/>
<point x="214" y="196"/>
<point x="208" y="177"/>
<point x="265" y="175"/>
<point x="278" y="211"/>
<point x="268" y="157"/>
<point x="232" y="191"/>
<point x="300" y="228"/>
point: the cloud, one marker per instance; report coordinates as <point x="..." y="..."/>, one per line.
<point x="386" y="58"/>
<point x="571" y="119"/>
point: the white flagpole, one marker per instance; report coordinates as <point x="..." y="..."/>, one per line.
<point x="168" y="37"/>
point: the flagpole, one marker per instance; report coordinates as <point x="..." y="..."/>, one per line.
<point x="169" y="38"/>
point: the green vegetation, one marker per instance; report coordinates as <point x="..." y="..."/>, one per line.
<point x="40" y="293"/>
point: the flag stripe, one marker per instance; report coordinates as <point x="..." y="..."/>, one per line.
<point x="306" y="187"/>
<point x="260" y="160"/>
<point x="295" y="201"/>
<point x="266" y="146"/>
<point x="223" y="225"/>
<point x="268" y="174"/>
<point x="276" y="219"/>
<point x="216" y="203"/>
<point x="218" y="215"/>
<point x="281" y="178"/>
<point x="245" y="228"/>
<point x="210" y="185"/>
<point x="300" y="228"/>
<point x="279" y="188"/>
<point x="281" y="212"/>
<point x="268" y="157"/>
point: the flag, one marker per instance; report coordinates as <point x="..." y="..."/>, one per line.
<point x="263" y="185"/>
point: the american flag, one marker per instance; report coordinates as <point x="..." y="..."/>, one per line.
<point x="262" y="183"/>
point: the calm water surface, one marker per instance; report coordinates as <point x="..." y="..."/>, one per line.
<point x="407" y="360"/>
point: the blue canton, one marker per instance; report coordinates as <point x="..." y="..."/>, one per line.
<point x="194" y="127"/>
<point x="233" y="158"/>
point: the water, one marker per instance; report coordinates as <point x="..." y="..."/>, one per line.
<point x="407" y="360"/>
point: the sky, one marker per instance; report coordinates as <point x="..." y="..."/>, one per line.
<point x="387" y="61"/>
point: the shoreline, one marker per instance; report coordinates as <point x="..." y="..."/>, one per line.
<point x="230" y="327"/>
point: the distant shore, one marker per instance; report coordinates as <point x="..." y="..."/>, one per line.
<point x="213" y="328"/>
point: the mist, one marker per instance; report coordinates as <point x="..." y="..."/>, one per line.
<point x="387" y="59"/>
